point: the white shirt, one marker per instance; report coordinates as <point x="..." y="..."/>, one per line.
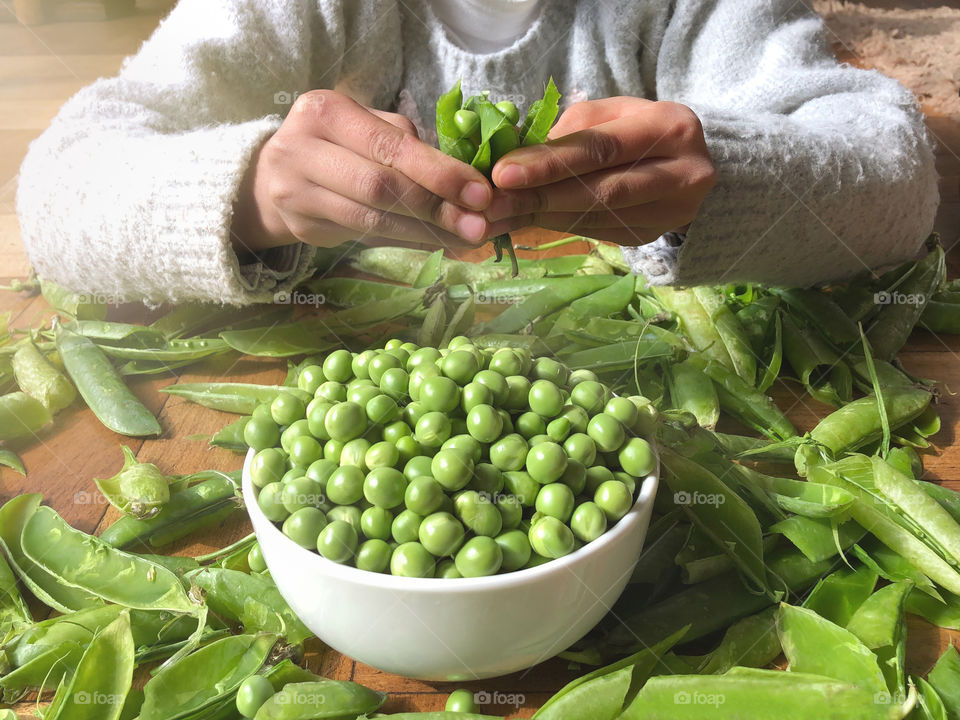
<point x="485" y="26"/>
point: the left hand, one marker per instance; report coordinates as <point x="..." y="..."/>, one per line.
<point x="621" y="169"/>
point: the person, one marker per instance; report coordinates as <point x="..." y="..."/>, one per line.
<point x="715" y="140"/>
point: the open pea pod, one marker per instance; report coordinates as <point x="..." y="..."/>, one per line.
<point x="45" y="671"/>
<point x="693" y="392"/>
<point x="320" y="699"/>
<point x="13" y="610"/>
<point x="879" y="624"/>
<point x="205" y="678"/>
<point x="79" y="306"/>
<point x="750" y="642"/>
<point x="696" y="324"/>
<point x="839" y="595"/>
<point x="240" y="398"/>
<point x="117" y="333"/>
<point x="449" y="138"/>
<point x="805" y="498"/>
<point x="825" y="376"/>
<point x="37" y="377"/>
<point x="818" y="538"/>
<point x="945" y="679"/>
<point x="929" y="704"/>
<point x="895" y="568"/>
<point x="21" y="415"/>
<point x="943" y="612"/>
<point x="139" y="489"/>
<point x="99" y="686"/>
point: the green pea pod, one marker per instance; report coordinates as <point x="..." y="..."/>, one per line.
<point x="750" y="642"/>
<point x="949" y="499"/>
<point x="45" y="586"/>
<point x="820" y="311"/>
<point x="241" y="398"/>
<point x="13" y="610"/>
<point x="116" y="333"/>
<point x="945" y="679"/>
<point x="21" y="415"/>
<point x="175" y="351"/>
<point x="81" y="307"/>
<point x="730" y="331"/>
<point x="816" y="364"/>
<point x="944" y="613"/>
<point x="759" y="449"/>
<point x="461" y="321"/>
<point x="560" y="293"/>
<point x="88" y="564"/>
<point x="896" y="320"/>
<point x="665" y="538"/>
<point x="605" y="331"/>
<point x="101" y="387"/>
<point x="431" y="272"/>
<point x="139" y="489"/>
<point x="431" y="330"/>
<point x="37" y="377"/>
<point x="749" y="693"/>
<point x="540" y="117"/>
<point x="320" y="699"/>
<point x="839" y="595"/>
<point x="230" y="437"/>
<point x="448" y="135"/>
<point x="347" y="292"/>
<point x="695" y="323"/>
<point x="756" y="319"/>
<point x="251" y="600"/>
<point x="929" y="704"/>
<point x="817" y="538"/>
<point x="941" y="317"/>
<point x="891" y="566"/>
<point x="879" y="624"/>
<point x="771" y="370"/>
<point x="809" y="499"/>
<point x="624" y="355"/>
<point x="401" y="264"/>
<point x="202" y="501"/>
<point x="205" y="678"/>
<point x="693" y="392"/>
<point x="103" y="677"/>
<point x="11" y="460"/>
<point x="45" y="671"/>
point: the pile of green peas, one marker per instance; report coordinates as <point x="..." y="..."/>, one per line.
<point x="447" y="462"/>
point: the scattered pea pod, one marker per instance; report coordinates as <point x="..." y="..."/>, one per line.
<point x="116" y="333"/>
<point x="77" y="306"/>
<point x="173" y="351"/>
<point x="322" y="698"/>
<point x="21" y="415"/>
<point x="13" y="610"/>
<point x="241" y="398"/>
<point x="11" y="460"/>
<point x="139" y="489"/>
<point x="40" y="379"/>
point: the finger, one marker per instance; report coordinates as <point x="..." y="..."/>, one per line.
<point x="397" y="120"/>
<point x="318" y="215"/>
<point x="592" y="112"/>
<point x="623" y="140"/>
<point x="613" y="188"/>
<point x="345" y="122"/>
<point x="367" y="183"/>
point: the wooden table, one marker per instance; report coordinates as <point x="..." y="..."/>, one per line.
<point x="63" y="461"/>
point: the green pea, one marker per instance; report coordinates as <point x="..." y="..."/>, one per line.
<point x="395" y="383"/>
<point x="395" y="430"/>
<point x="484" y="423"/>
<point x="590" y="395"/>
<point x="360" y="364"/>
<point x="588" y="522"/>
<point x="478" y="513"/>
<point x="304" y="526"/>
<point x="441" y="534"/>
<point x="467" y="123"/>
<point x="577" y="416"/>
<point x="337" y="366"/>
<point x="411" y="559"/>
<point x="301" y="492"/>
<point x="375" y="523"/>
<point x="623" y="410"/>
<point x="255" y="559"/>
<point x="458" y="426"/>
<point x="362" y="394"/>
<point x="332" y="392"/>
<point x="575" y="476"/>
<point x="267" y="466"/>
<point x="462" y="701"/>
<point x="287" y="408"/>
<point x="354" y="452"/>
<point x="521" y="485"/>
<point x="579" y="376"/>
<point x="466" y="444"/>
<point x="261" y="433"/>
<point x="551" y="538"/>
<point x="475" y="394"/>
<point x="412" y="412"/>
<point x="320" y="471"/>
<point x="400" y="353"/>
<point x="350" y="514"/>
<point x="271" y="504"/>
<point x="460" y="366"/>
<point x="496" y="383"/>
<point x="614" y="498"/>
<point x="439" y="394"/>
<point x="556" y="500"/>
<point x="606" y="431"/>
<point x="423" y="356"/>
<point x="432" y="430"/>
<point x="419" y="376"/>
<point x="345" y="485"/>
<point x="558" y="430"/>
<point x="546" y="462"/>
<point x="545" y="399"/>
<point x="452" y="468"/>
<point x="596" y="476"/>
<point x="287" y="436"/>
<point x="380" y="363"/>
<point x="545" y="368"/>
<point x="511" y="113"/>
<point x="447" y="569"/>
<point x="262" y="412"/>
<point x="382" y="454"/>
<point x="406" y="526"/>
<point x="423" y="495"/>
<point x="506" y="421"/>
<point x="509" y="453"/>
<point x="479" y="557"/>
<point x="518" y="391"/>
<point x="316" y="414"/>
<point x="487" y="480"/>
<point x="582" y="448"/>
<point x="511" y="511"/>
<point x="506" y="362"/>
<point x="637" y="458"/>
<point x="338" y="542"/>
<point x="252" y="694"/>
<point x="385" y="487"/>
<point x="374" y="556"/>
<point x="515" y="547"/>
<point x="393" y="344"/>
<point x="310" y="378"/>
<point x="530" y="424"/>
<point x="408" y="448"/>
<point x="305" y="450"/>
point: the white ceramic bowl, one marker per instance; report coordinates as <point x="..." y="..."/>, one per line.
<point x="455" y="629"/>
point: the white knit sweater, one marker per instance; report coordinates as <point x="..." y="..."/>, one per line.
<point x="824" y="170"/>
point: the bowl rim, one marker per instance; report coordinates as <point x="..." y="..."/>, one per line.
<point x="386" y="581"/>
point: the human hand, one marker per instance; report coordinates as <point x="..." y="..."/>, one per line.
<point x="336" y="169"/>
<point x="621" y="169"/>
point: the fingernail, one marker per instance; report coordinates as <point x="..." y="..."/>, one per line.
<point x="475" y="195"/>
<point x="471" y="227"/>
<point x="511" y="175"/>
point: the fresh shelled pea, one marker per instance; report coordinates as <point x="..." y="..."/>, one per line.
<point x="458" y="461"/>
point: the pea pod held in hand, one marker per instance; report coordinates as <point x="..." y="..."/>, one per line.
<point x="101" y="387"/>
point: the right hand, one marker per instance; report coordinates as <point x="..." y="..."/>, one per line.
<point x="338" y="171"/>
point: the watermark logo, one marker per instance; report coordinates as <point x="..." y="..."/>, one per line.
<point x="899" y="298"/>
<point x="102" y="299"/>
<point x="885" y="698"/>
<point x="300" y="698"/>
<point x="299" y="298"/>
<point x="97" y="698"/>
<point x="82" y="497"/>
<point x="698" y="498"/>
<point x="485" y="299"/>
<point x="684" y="697"/>
<point x="284" y="97"/>
<point x="514" y="700"/>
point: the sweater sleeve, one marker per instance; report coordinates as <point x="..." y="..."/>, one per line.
<point x="824" y="170"/>
<point x="129" y="193"/>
